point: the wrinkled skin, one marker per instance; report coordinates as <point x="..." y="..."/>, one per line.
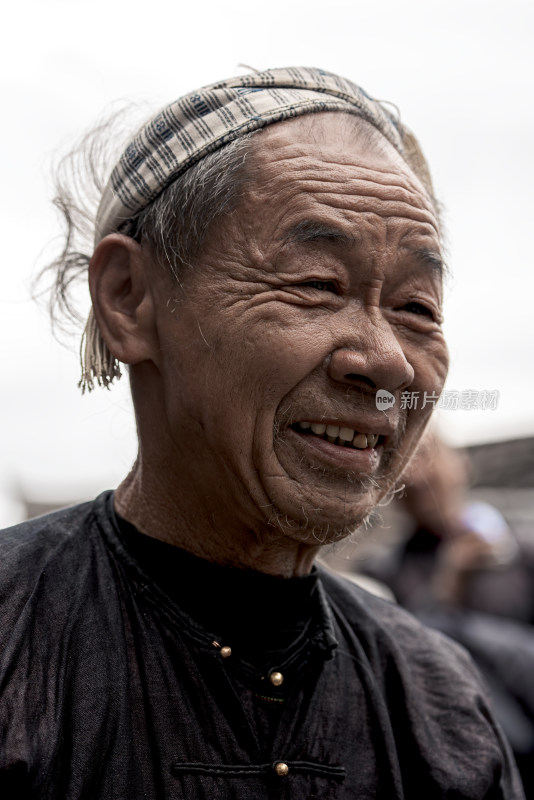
<point x="321" y="288"/>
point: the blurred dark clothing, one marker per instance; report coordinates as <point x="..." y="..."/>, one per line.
<point x="505" y="590"/>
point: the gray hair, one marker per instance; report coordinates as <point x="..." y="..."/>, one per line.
<point x="174" y="225"/>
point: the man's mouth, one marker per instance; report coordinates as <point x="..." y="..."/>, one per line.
<point x="339" y="434"/>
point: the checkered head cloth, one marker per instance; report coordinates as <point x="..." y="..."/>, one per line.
<point x="185" y="131"/>
<point x="199" y="123"/>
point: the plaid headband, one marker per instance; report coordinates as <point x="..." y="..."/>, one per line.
<point x="202" y="122"/>
<point x="187" y="130"/>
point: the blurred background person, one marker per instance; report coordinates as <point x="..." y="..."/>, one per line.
<point x="457" y="551"/>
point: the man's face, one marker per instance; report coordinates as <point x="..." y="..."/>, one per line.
<point x="322" y="288"/>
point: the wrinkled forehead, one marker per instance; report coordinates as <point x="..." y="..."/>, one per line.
<point x="338" y="136"/>
<point x="336" y="147"/>
<point x="332" y="182"/>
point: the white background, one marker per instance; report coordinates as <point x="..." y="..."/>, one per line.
<point x="460" y="72"/>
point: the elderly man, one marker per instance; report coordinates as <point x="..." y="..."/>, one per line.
<point x="267" y="263"/>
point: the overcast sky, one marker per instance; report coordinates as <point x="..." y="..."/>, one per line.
<point x="461" y="73"/>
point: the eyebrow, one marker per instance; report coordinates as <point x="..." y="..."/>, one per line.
<point x="309" y="230"/>
<point x="430" y="258"/>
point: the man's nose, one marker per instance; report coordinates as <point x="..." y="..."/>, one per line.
<point x="375" y="360"/>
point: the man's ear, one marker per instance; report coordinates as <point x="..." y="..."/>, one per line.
<point x="123" y="301"/>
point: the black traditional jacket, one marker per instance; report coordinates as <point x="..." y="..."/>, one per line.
<point x="109" y="691"/>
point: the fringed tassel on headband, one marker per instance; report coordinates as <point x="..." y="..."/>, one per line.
<point x="96" y="361"/>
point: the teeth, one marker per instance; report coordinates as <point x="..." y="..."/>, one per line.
<point x="341" y="434"/>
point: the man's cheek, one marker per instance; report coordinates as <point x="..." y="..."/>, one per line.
<point x="431" y="364"/>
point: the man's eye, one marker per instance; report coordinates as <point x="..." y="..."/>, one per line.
<point x="419" y="308"/>
<point x="321" y="286"/>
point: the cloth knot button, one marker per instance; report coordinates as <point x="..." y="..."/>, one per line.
<point x="276" y="678"/>
<point x="226" y="652"/>
<point x="281" y="769"/>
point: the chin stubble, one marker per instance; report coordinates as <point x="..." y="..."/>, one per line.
<point x="381" y="487"/>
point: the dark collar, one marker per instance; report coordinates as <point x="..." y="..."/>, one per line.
<point x="264" y="615"/>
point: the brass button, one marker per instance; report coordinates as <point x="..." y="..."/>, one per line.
<point x="281" y="769"/>
<point x="276" y="678"/>
<point x="226" y="652"/>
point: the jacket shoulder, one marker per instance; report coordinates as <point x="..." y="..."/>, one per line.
<point x="31" y="551"/>
<point x="30" y="543"/>
<point x="389" y="633"/>
<point x="435" y="701"/>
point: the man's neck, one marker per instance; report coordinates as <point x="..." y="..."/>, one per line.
<point x="213" y="534"/>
